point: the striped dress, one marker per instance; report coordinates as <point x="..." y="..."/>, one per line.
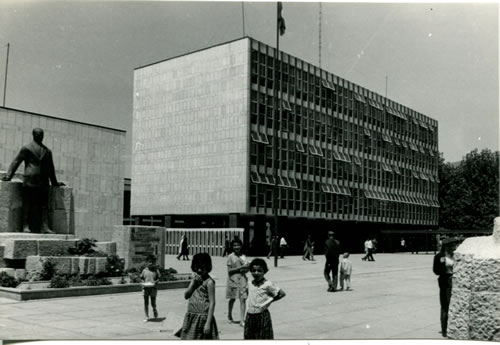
<point x="197" y="314"/>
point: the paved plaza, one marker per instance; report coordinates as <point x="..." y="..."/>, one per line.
<point x="395" y="297"/>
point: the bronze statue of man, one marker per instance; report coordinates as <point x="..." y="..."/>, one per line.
<point x="38" y="170"/>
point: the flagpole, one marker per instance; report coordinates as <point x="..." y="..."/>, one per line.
<point x="277" y="112"/>
<point x="6" y="68"/>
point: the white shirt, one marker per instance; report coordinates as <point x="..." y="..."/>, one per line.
<point x="260" y="297"/>
<point x="282" y="242"/>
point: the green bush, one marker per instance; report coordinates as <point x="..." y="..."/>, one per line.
<point x="59" y="281"/>
<point x="114" y="266"/>
<point x="48" y="270"/>
<point x="167" y="274"/>
<point x="8" y="281"/>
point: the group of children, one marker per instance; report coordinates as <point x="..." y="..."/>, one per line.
<point x="255" y="296"/>
<point x="199" y="322"/>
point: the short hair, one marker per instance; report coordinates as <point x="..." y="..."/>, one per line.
<point x="236" y="240"/>
<point x="151" y="258"/>
<point x="258" y="262"/>
<point x="201" y="260"/>
<point x="331" y="233"/>
<point x="346" y="255"/>
<point x="37" y="130"/>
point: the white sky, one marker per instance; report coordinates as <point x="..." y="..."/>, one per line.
<point x="75" y="60"/>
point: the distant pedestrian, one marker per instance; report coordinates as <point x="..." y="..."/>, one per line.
<point x="150" y="276"/>
<point x="332" y="253"/>
<point x="261" y="293"/>
<point x="227" y="247"/>
<point x="283" y="246"/>
<point x="345" y="272"/>
<point x="273" y="248"/>
<point x="375" y="245"/>
<point x="199" y="322"/>
<point x="308" y="249"/>
<point x="368" y="251"/>
<point x="402" y="245"/>
<point x="237" y="282"/>
<point x="183" y="248"/>
<point x="443" y="267"/>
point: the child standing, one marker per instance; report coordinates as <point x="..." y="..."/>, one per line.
<point x="261" y="293"/>
<point x="150" y="277"/>
<point x="199" y="322"/>
<point x="237" y="283"/>
<point x="345" y="272"/>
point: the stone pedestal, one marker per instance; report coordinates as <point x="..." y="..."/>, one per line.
<point x="135" y="243"/>
<point x="474" y="312"/>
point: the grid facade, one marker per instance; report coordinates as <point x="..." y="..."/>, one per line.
<point x="344" y="152"/>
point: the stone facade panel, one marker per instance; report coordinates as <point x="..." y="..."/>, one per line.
<point x="15" y="249"/>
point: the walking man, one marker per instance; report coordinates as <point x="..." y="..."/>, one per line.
<point x="332" y="252"/>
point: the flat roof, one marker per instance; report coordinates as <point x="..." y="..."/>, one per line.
<point x="192" y="52"/>
<point x="68" y="120"/>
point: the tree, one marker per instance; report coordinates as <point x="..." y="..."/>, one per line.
<point x="469" y="191"/>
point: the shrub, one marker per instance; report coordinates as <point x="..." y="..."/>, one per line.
<point x="8" y="281"/>
<point x="48" y="270"/>
<point x="76" y="280"/>
<point x="83" y="247"/>
<point x="114" y="266"/>
<point x="97" y="281"/>
<point x="167" y="274"/>
<point x="59" y="281"/>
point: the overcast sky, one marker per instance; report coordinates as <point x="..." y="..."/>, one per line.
<point x="75" y="60"/>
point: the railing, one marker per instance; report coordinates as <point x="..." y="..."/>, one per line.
<point x="206" y="240"/>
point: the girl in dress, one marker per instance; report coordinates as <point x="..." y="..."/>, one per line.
<point x="261" y="293"/>
<point x="199" y="322"/>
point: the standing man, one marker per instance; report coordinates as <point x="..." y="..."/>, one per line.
<point x="332" y="252"/>
<point x="38" y="170"/>
<point x="443" y="267"/>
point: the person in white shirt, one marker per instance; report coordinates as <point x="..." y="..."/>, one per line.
<point x="283" y="246"/>
<point x="261" y="293"/>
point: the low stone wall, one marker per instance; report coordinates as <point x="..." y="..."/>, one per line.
<point x="474" y="312"/>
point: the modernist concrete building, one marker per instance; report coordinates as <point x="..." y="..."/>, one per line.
<point x="349" y="159"/>
<point x="87" y="158"/>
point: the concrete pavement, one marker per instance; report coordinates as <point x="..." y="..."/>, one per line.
<point x="395" y="297"/>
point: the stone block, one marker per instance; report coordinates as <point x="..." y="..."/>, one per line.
<point x="100" y="265"/>
<point x="135" y="243"/>
<point x="458" y="325"/>
<point x="486" y="275"/>
<point x="10" y="271"/>
<point x="34" y="264"/>
<point x="11" y="206"/>
<point x="61" y="221"/>
<point x="54" y="247"/>
<point x="60" y="198"/>
<point x="20" y="274"/>
<point x="19" y="248"/>
<point x="86" y="265"/>
<point x="2" y="262"/>
<point x="484" y="316"/>
<point x="462" y="278"/>
<point x="106" y="247"/>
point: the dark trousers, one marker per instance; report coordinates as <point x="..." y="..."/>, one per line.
<point x="36" y="205"/>
<point x="331" y="273"/>
<point x="444" y="299"/>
